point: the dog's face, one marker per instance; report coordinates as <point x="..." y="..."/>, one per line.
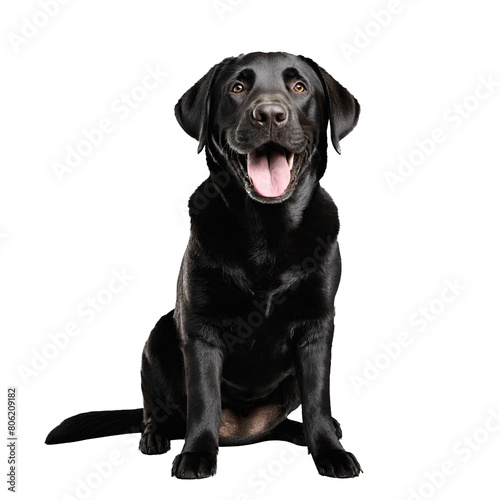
<point x="263" y="116"/>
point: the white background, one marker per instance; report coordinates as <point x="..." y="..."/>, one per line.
<point x="123" y="207"/>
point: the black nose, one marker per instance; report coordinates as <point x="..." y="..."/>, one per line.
<point x="270" y="115"/>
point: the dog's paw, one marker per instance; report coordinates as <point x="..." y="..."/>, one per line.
<point x="337" y="463"/>
<point x="152" y="443"/>
<point x="194" y="465"/>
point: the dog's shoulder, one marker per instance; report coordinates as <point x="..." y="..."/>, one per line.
<point x="321" y="216"/>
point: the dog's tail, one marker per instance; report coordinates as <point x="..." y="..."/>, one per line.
<point x="96" y="424"/>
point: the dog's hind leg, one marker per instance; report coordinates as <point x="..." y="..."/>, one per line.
<point x="287" y="430"/>
<point x="293" y="432"/>
<point x="163" y="389"/>
<point x="266" y="421"/>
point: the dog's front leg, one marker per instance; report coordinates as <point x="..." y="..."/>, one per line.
<point x="313" y="359"/>
<point x="203" y="369"/>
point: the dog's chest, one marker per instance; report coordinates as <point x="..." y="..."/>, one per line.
<point x="258" y="278"/>
<point x="265" y="294"/>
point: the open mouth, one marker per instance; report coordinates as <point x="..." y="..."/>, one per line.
<point x="269" y="169"/>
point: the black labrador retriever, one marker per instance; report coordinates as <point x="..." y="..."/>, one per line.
<point x="251" y="334"/>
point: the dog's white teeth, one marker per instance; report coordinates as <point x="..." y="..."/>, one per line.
<point x="289" y="159"/>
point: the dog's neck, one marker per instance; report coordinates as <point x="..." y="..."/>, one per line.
<point x="287" y="214"/>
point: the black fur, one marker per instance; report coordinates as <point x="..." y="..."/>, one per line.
<point x="251" y="334"/>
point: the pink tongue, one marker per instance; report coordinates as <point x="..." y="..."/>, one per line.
<point x="270" y="177"/>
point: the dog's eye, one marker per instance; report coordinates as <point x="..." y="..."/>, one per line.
<point x="299" y="87"/>
<point x="237" y="88"/>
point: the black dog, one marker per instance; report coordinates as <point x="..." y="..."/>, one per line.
<point x="251" y="334"/>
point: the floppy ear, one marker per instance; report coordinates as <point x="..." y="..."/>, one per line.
<point x="193" y="108"/>
<point x="343" y="108"/>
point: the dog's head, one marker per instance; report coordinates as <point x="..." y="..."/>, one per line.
<point x="263" y="118"/>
